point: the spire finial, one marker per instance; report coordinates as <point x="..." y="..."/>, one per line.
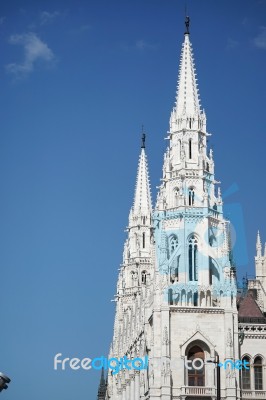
<point x="187" y="21"/>
<point x="143" y="138"/>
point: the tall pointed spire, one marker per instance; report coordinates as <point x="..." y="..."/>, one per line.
<point x="258" y="245"/>
<point x="142" y="198"/>
<point x="187" y="111"/>
<point x="102" y="387"/>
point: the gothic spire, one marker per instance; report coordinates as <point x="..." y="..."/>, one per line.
<point x="187" y="99"/>
<point x="187" y="104"/>
<point x="258" y="245"/>
<point x="102" y="387"/>
<point x="142" y="198"/>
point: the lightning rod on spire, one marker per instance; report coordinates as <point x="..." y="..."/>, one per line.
<point x="143" y="138"/>
<point x="187" y="22"/>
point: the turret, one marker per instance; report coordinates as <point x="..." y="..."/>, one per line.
<point x="102" y="387"/>
<point x="258" y="245"/>
<point x="260" y="262"/>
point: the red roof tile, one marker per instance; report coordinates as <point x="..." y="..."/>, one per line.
<point x="249" y="308"/>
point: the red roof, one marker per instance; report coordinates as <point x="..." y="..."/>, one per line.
<point x="249" y="308"/>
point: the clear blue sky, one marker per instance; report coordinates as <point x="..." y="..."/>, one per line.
<point x="78" y="78"/>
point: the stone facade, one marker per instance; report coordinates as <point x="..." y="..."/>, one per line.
<point x="176" y="294"/>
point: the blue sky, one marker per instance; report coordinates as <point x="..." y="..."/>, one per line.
<point x="78" y="79"/>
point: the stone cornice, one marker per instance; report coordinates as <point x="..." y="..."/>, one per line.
<point x="206" y="310"/>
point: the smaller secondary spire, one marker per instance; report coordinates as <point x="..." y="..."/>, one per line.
<point x="187" y="22"/>
<point x="258" y="245"/>
<point x="142" y="198"/>
<point x="102" y="382"/>
<point x="102" y="387"/>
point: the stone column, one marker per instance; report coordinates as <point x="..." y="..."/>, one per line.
<point x="137" y="386"/>
<point x="124" y="392"/>
<point x="127" y="389"/>
<point x="119" y="393"/>
<point x="132" y="386"/>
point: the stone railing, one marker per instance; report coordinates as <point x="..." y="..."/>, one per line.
<point x="198" y="391"/>
<point x="252" y="328"/>
<point x="254" y="394"/>
<point x="192" y="294"/>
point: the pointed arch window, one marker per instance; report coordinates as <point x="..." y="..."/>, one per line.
<point x="176" y="195"/>
<point x="144" y="277"/>
<point x="246" y="374"/>
<point x="132" y="278"/>
<point x="143" y="240"/>
<point x="258" y="376"/>
<point x="190" y="148"/>
<point x="191" y="196"/>
<point x="173" y="243"/>
<point x="196" y="376"/>
<point x="193" y="258"/>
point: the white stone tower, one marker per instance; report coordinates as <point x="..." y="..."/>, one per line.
<point x="176" y="291"/>
<point x="194" y="312"/>
<point x="134" y="281"/>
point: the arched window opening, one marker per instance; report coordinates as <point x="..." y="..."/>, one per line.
<point x="246" y="374"/>
<point x="143" y="240"/>
<point x="144" y="277"/>
<point x="258" y="376"/>
<point x="210" y="274"/>
<point x="176" y="194"/>
<point x="174" y="268"/>
<point x="191" y="196"/>
<point x="190" y="148"/>
<point x="212" y="240"/>
<point x="214" y="276"/>
<point x="173" y="243"/>
<point x="132" y="278"/>
<point x="196" y="375"/>
<point x="180" y="147"/>
<point x="193" y="258"/>
<point x="144" y="220"/>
